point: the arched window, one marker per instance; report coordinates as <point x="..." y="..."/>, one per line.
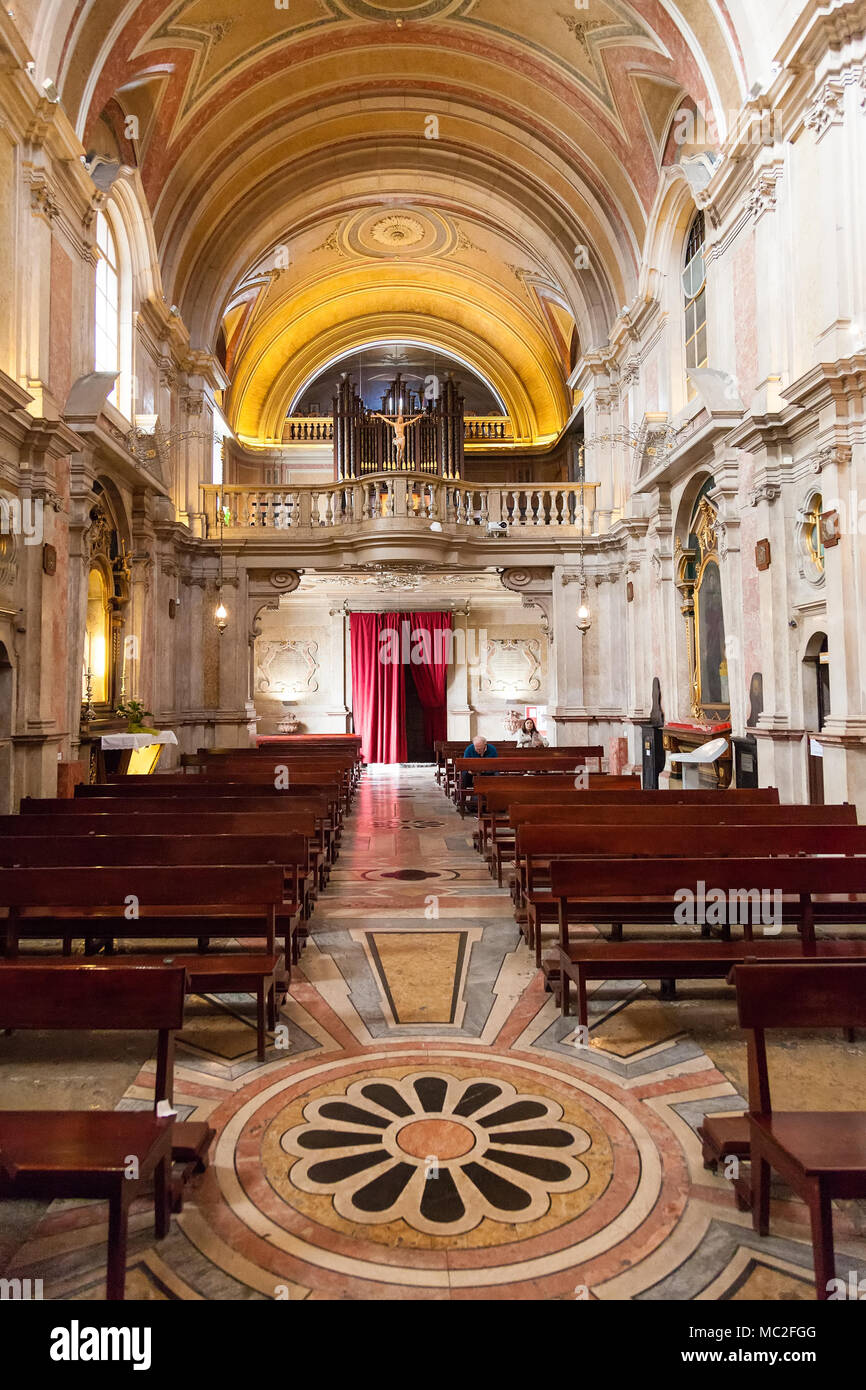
<point x="113" y="313"/>
<point x="107" y="353"/>
<point x="695" y="292"/>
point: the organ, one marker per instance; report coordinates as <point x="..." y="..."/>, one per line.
<point x="364" y="443"/>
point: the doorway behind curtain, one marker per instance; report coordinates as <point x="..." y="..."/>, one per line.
<point x="384" y="645"/>
<point x="378" y="687"/>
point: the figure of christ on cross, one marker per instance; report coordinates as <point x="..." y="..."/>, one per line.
<point x="399" y="426"/>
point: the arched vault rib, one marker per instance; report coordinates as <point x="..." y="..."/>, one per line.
<point x="300" y="334"/>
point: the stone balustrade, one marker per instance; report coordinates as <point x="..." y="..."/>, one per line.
<point x="319" y="429"/>
<point x="307" y="509"/>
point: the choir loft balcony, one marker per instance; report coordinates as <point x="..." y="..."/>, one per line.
<point x="393" y="506"/>
<point x="477" y="429"/>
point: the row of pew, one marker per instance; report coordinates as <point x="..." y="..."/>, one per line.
<point x="454" y="771"/>
<point x="225" y="857"/>
<point x="612" y="883"/>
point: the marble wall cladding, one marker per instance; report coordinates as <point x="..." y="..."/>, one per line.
<point x="8" y="251"/>
<point x="211" y="654"/>
<point x="509" y="658"/>
<point x="300" y="667"/>
<point x="60" y="355"/>
<point x="745" y="317"/>
<point x="146" y="380"/>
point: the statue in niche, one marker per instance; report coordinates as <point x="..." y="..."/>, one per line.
<point x="756" y="700"/>
<point x="399" y="426"/>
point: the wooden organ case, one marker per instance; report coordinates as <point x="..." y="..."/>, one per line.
<point x="365" y="443"/>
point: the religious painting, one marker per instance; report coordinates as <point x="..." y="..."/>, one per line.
<point x="712" y="663"/>
<point x="699" y="580"/>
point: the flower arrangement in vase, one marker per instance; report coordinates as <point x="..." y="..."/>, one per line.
<point x="134" y="713"/>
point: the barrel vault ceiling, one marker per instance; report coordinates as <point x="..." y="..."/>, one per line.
<point x="338" y="172"/>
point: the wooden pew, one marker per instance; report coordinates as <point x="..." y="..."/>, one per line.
<point x="493" y="836"/>
<point x="820" y="1155"/>
<point x="564" y="763"/>
<point x="133" y="848"/>
<point x="446" y="750"/>
<point x="51" y="1154"/>
<point x="175" y="825"/>
<point x="281" y="807"/>
<point x="675" y="811"/>
<point x="539" y="845"/>
<point x="274" y="764"/>
<point x="496" y="795"/>
<point x="48" y="902"/>
<point x="184" y="902"/>
<point x="573" y="754"/>
<point x="613" y="890"/>
<point x="260" y="770"/>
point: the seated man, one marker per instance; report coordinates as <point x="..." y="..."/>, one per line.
<point x="478" y="748"/>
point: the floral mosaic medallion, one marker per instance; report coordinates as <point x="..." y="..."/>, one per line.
<point x="441" y="1152"/>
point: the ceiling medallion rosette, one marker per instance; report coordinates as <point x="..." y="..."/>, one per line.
<point x="386" y="233"/>
<point x="404" y="10"/>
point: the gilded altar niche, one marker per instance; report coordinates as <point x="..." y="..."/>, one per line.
<point x="699" y="581"/>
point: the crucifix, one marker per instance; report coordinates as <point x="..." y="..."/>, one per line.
<point x="399" y="426"/>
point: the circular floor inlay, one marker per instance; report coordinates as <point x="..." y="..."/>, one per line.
<point x="442" y="1153"/>
<point x="409" y="875"/>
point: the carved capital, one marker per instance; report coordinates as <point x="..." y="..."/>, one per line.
<point x="764" y="192"/>
<point x="828" y="108"/>
<point x="43" y="201"/>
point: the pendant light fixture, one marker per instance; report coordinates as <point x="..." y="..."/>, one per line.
<point x="584" y="617"/>
<point x="221" y="617"/>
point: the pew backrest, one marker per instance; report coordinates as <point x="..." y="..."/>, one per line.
<point x="688" y="840"/>
<point x="257" y="888"/>
<point x="176" y="822"/>
<point x="800" y="994"/>
<point x="500" y="794"/>
<point x="30" y="851"/>
<point x="660" y="879"/>
<point x="91" y="996"/>
<point x="720" y="811"/>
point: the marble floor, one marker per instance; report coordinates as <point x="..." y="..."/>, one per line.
<point x="426" y="1126"/>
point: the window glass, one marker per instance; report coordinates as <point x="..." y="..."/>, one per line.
<point x="694" y="289"/>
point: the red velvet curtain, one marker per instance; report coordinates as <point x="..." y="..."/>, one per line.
<point x="378" y="687"/>
<point x="428" y="661"/>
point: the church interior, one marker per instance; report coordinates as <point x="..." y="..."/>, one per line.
<point x="387" y="385"/>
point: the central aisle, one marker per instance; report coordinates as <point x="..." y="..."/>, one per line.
<point x="427" y="1126"/>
